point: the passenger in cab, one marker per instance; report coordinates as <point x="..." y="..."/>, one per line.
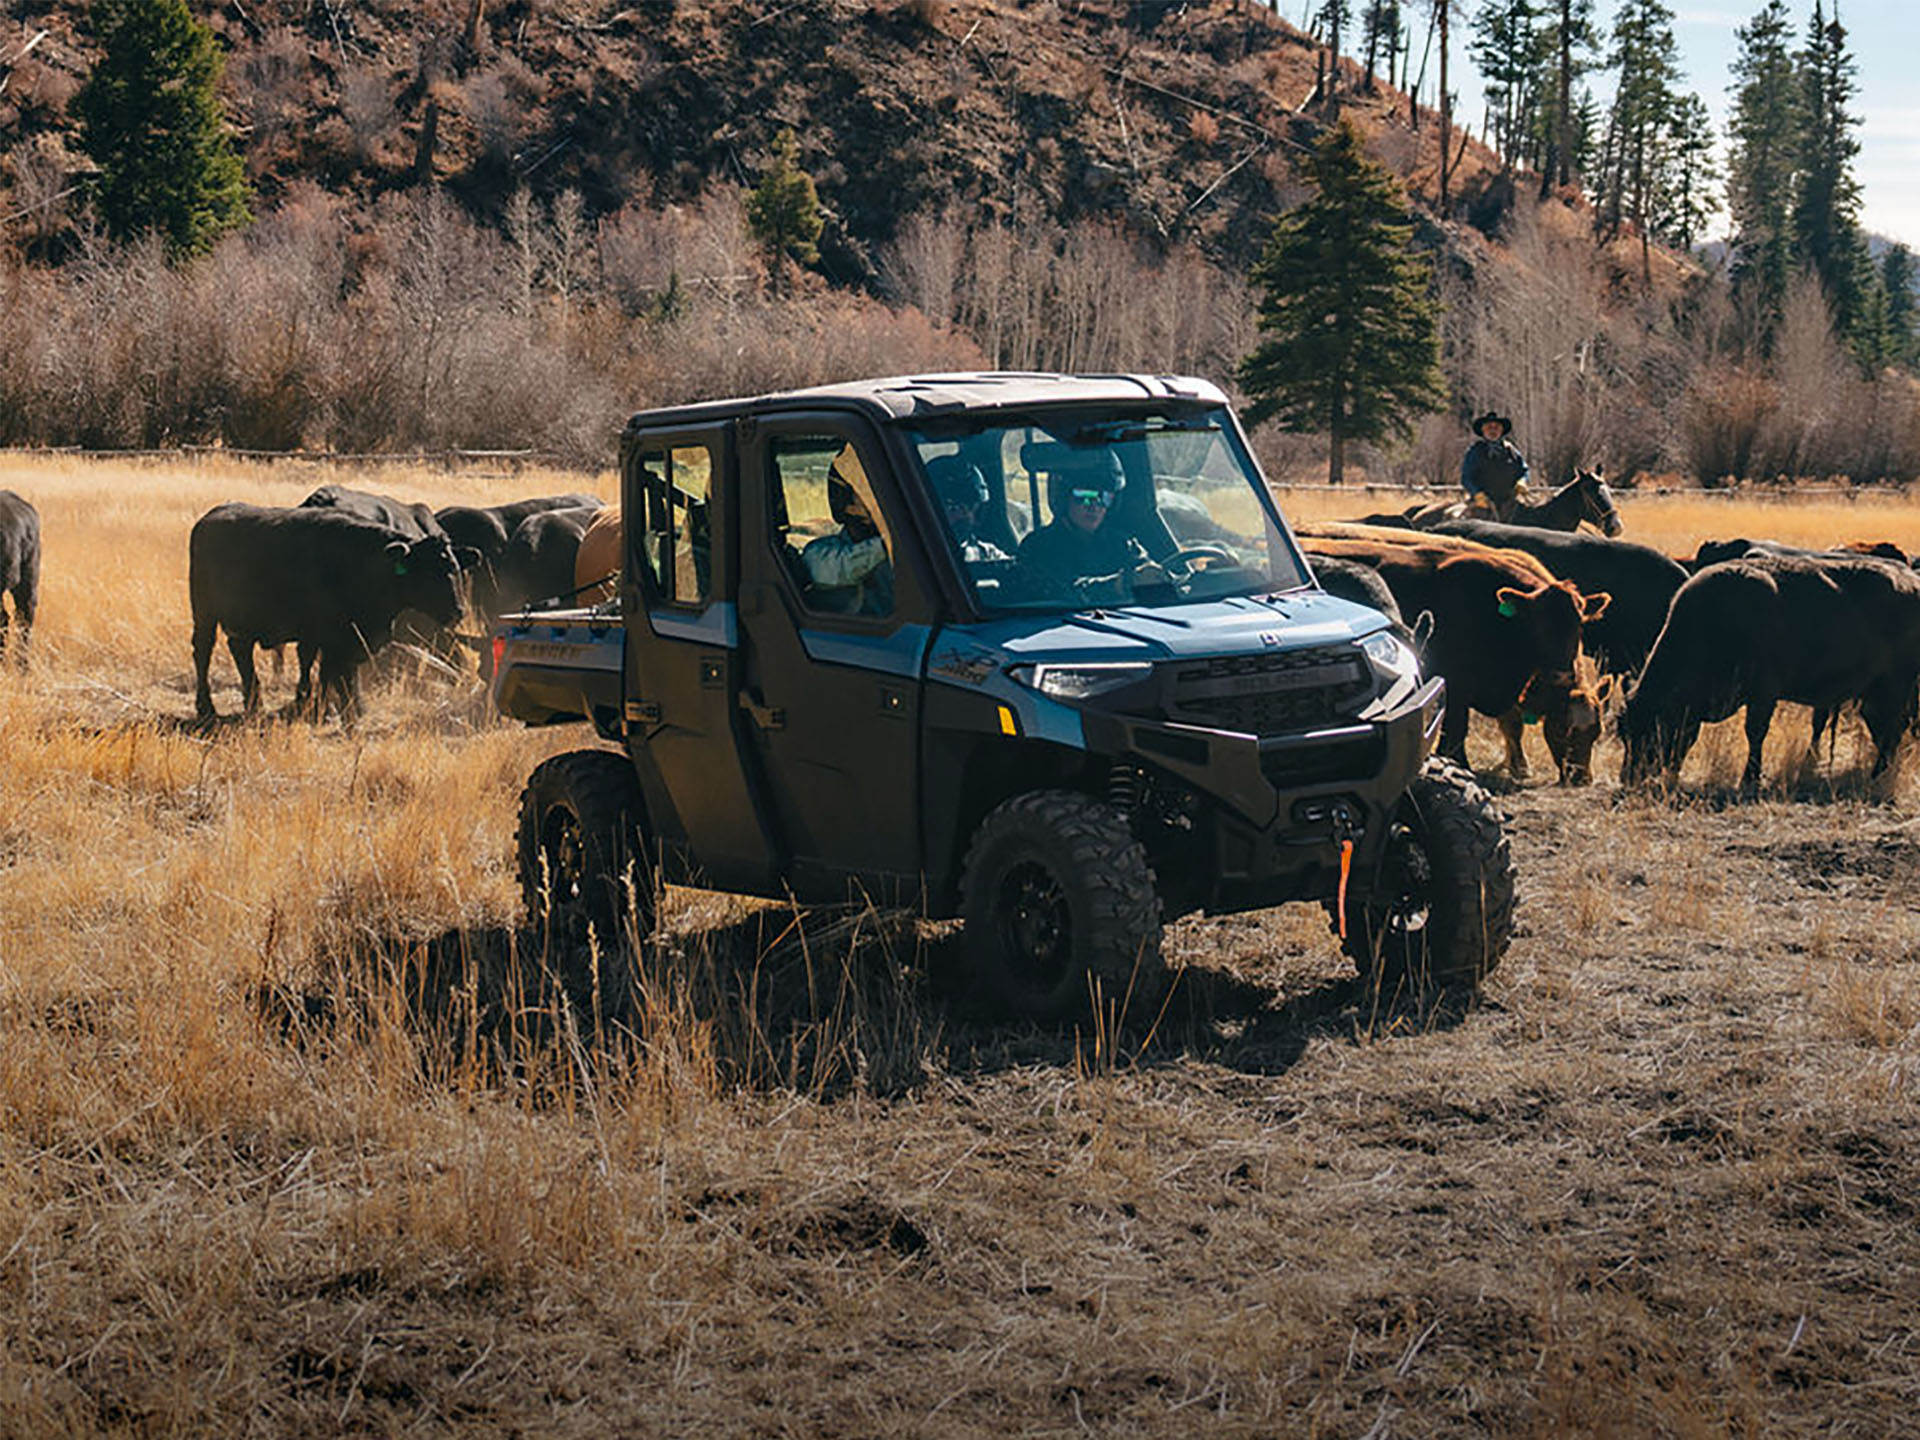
<point x="850" y="571"/>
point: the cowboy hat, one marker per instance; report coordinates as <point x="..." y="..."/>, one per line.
<point x="1506" y="425"/>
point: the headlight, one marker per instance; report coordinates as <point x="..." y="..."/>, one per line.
<point x="1078" y="682"/>
<point x="1391" y="657"/>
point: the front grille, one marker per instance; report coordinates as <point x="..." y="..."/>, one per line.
<point x="1324" y="762"/>
<point x="1270" y="694"/>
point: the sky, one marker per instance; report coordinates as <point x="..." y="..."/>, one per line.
<point x="1883" y="36"/>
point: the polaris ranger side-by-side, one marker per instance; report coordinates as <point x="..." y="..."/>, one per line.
<point x="1036" y="651"/>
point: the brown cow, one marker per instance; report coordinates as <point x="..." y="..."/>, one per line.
<point x="596" y="568"/>
<point x="1503" y="627"/>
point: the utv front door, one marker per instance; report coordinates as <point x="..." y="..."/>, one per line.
<point x="835" y="624"/>
<point x="684" y="726"/>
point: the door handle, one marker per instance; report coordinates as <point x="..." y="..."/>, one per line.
<point x="767" y="717"/>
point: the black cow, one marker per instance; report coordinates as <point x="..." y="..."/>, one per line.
<point x="413" y="521"/>
<point x="539" y="561"/>
<point x="328" y="580"/>
<point x="1716" y="552"/>
<point x="19" y="569"/>
<point x="1641" y="580"/>
<point x="1766" y="628"/>
<point x="487" y="529"/>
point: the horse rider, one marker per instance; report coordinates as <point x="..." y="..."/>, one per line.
<point x="1494" y="472"/>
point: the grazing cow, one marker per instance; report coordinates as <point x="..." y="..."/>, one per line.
<point x="328" y="580"/>
<point x="19" y="569"/>
<point x="413" y="521"/>
<point x="1766" y="628"/>
<point x="1503" y="626"/>
<point x="1716" y="552"/>
<point x="539" y="563"/>
<point x="487" y="529"/>
<point x="1641" y="580"/>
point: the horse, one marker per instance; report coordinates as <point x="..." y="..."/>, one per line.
<point x="1587" y="498"/>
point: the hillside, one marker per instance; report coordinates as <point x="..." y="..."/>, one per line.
<point x="1177" y="121"/>
<point x="471" y="209"/>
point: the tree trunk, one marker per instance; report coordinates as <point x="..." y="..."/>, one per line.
<point x="1446" y="108"/>
<point x="1337" y="448"/>
<point x="1562" y="168"/>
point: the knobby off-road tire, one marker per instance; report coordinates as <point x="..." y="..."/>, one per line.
<point x="581" y="850"/>
<point x="1437" y="910"/>
<point x="1057" y="896"/>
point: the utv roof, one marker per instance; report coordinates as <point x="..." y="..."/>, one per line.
<point x="901" y="397"/>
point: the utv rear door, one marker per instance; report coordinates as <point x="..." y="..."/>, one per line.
<point x="832" y="667"/>
<point x="678" y="587"/>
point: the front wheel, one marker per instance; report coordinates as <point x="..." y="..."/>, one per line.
<point x="581" y="858"/>
<point x="1436" y="910"/>
<point x="1057" y="897"/>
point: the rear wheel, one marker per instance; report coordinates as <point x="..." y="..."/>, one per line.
<point x="1057" y="895"/>
<point x="1437" y="908"/>
<point x="582" y="862"/>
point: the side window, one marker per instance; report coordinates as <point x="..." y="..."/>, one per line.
<point x="676" y="545"/>
<point x="834" y="540"/>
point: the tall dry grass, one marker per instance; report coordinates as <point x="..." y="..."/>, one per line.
<point x="298" y="1136"/>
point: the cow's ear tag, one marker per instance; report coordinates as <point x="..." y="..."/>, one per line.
<point x="1506" y="609"/>
<point x="1528" y="717"/>
<point x="399" y="567"/>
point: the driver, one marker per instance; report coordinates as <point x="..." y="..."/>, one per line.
<point x="962" y="491"/>
<point x="1082" y="553"/>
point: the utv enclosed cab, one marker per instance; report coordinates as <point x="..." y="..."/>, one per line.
<point x="1064" y="760"/>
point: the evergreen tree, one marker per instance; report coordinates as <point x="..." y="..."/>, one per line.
<point x="1763" y="163"/>
<point x="783" y="212"/>
<point x="1826" y="229"/>
<point x="1688" y="172"/>
<point x="1380" y="32"/>
<point x="1568" y="42"/>
<point x="1644" y="101"/>
<point x="1507" y="47"/>
<point x="1351" y="329"/>
<point x="150" y="119"/>
<point x="1897" y="277"/>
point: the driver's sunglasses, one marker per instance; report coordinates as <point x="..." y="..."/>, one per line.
<point x="1091" y="497"/>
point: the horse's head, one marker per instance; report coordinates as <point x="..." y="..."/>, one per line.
<point x="1597" y="505"/>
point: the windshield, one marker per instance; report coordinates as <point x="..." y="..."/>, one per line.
<point x="1072" y="510"/>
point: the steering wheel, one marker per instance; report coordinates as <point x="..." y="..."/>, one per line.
<point x="1187" y="554"/>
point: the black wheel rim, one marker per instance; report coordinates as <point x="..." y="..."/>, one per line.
<point x="1407" y="885"/>
<point x="1036" y="926"/>
<point x="563" y="849"/>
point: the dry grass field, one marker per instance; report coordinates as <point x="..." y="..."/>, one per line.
<point x="296" y="1139"/>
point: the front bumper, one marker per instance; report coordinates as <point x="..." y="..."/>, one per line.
<point x="1276" y="809"/>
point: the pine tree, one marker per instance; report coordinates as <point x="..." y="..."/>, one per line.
<point x="1380" y="31"/>
<point x="1688" y="171"/>
<point x="1897" y="277"/>
<point x="1644" y="99"/>
<point x="1826" y="229"/>
<point x="783" y="212"/>
<point x="1568" y="40"/>
<point x="150" y="119"/>
<point x="1351" y="329"/>
<point x="1763" y="163"/>
<point x="1507" y="47"/>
